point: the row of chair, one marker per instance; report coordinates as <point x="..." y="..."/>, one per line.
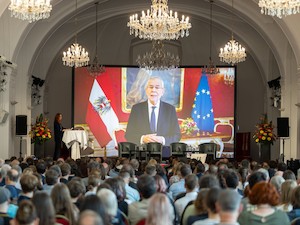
<point x="150" y="150"/>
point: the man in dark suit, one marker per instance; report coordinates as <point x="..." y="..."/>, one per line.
<point x="153" y="120"/>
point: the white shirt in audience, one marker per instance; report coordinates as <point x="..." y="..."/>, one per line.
<point x="181" y="203"/>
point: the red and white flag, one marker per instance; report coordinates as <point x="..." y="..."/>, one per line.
<point x="101" y="117"/>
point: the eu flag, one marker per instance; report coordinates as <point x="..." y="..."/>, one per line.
<point x="202" y="112"/>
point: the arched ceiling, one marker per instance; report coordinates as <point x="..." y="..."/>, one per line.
<point x="262" y="35"/>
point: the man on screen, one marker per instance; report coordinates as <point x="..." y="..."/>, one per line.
<point x="153" y="120"/>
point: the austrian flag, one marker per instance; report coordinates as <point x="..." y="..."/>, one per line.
<point x="101" y="117"/>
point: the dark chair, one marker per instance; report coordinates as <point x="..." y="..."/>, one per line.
<point x="127" y="149"/>
<point x="210" y="149"/>
<point x="178" y="149"/>
<point x="154" y="150"/>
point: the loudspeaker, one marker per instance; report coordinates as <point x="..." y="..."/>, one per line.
<point x="21" y="125"/>
<point x="3" y="116"/>
<point x="283" y="127"/>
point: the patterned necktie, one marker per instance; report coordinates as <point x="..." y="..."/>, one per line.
<point x="153" y="120"/>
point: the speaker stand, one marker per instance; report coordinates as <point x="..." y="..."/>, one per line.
<point x="282" y="154"/>
<point x="21" y="146"/>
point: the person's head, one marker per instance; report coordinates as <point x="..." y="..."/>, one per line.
<point x="185" y="170"/>
<point x="245" y="164"/>
<point x="208" y="181"/>
<point x="266" y="172"/>
<point x="282" y="167"/>
<point x="154" y="89"/>
<point x="62" y="202"/>
<point x="28" y="183"/>
<point x="12" y="175"/>
<point x="44" y="208"/>
<point x="263" y="193"/>
<point x="256" y="177"/>
<point x="94" y="203"/>
<point x="4" y="197"/>
<point x="200" y="201"/>
<point x="289" y="175"/>
<point x="212" y="198"/>
<point x="65" y="169"/>
<point x="277" y="182"/>
<point x="135" y="164"/>
<point x="228" y="202"/>
<point x="150" y="170"/>
<point x="296" y="197"/>
<point x="109" y="201"/>
<point x="231" y="179"/>
<point x="129" y="169"/>
<point x="191" y="182"/>
<point x="160" y="184"/>
<point x="57" y="169"/>
<point x="26" y="214"/>
<point x="146" y="186"/>
<point x="200" y="168"/>
<point x="160" y="210"/>
<point x="89" y="217"/>
<point x="41" y="167"/>
<point x="51" y="177"/>
<point x="58" y="117"/>
<point x="76" y="188"/>
<point x="93" y="181"/>
<point x="117" y="185"/>
<point x="286" y="191"/>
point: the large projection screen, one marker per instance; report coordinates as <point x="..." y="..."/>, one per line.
<point x="102" y="106"/>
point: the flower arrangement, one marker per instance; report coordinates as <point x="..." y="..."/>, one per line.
<point x="264" y="131"/>
<point x="39" y="131"/>
<point x="188" y="126"/>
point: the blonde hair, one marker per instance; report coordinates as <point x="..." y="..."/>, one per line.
<point x="287" y="188"/>
<point x="160" y="211"/>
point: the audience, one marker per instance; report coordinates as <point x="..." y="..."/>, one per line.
<point x="26" y="214"/>
<point x="89" y="217"/>
<point x="4" y="204"/>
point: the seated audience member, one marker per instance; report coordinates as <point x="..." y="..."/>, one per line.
<point x="51" y="178"/>
<point x="199" y="169"/>
<point x="161" y="171"/>
<point x="28" y="184"/>
<point x="231" y="180"/>
<point x="4" y="204"/>
<point x="210" y="204"/>
<point x="138" y="210"/>
<point x="228" y="205"/>
<point x="286" y="195"/>
<point x="191" y="186"/>
<point x="265" y="197"/>
<point x="281" y="167"/>
<point x="110" y="204"/>
<point x="178" y="187"/>
<point x="135" y="165"/>
<point x="175" y="171"/>
<point x="65" y="173"/>
<point x="129" y="169"/>
<point x="4" y="168"/>
<point x="243" y="182"/>
<point x="295" y="213"/>
<point x="289" y="175"/>
<point x="44" y="208"/>
<point x="89" y="217"/>
<point x="117" y="185"/>
<point x="277" y="181"/>
<point x="197" y="210"/>
<point x="132" y="195"/>
<point x="208" y="181"/>
<point x="41" y="169"/>
<point x="150" y="170"/>
<point x="253" y="179"/>
<point x="160" y="212"/>
<point x="77" y="191"/>
<point x="94" y="203"/>
<point x="65" y="211"/>
<point x="26" y="214"/>
<point x="93" y="182"/>
<point x="11" y="179"/>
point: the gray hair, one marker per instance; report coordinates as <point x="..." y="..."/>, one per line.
<point x="109" y="200"/>
<point x="155" y="78"/>
<point x="97" y="220"/>
<point x="229" y="200"/>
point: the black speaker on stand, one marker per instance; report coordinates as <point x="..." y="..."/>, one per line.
<point x="21" y="128"/>
<point x="283" y="131"/>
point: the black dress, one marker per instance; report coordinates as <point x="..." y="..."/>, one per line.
<point x="58" y="134"/>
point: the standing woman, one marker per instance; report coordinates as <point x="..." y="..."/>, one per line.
<point x="58" y="134"/>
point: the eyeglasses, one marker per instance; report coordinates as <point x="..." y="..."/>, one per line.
<point x="154" y="87"/>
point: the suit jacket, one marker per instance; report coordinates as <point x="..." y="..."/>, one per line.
<point x="167" y="123"/>
<point x="58" y="133"/>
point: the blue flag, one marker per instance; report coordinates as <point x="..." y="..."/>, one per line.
<point x="202" y="112"/>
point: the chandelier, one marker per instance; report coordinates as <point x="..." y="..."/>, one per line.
<point x="279" y="8"/>
<point x="158" y="58"/>
<point x="76" y="55"/>
<point x="232" y="52"/>
<point x="95" y="69"/>
<point x="159" y="23"/>
<point x="31" y="10"/>
<point x="210" y="68"/>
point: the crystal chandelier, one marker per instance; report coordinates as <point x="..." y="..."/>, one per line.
<point x="232" y="52"/>
<point x="210" y="68"/>
<point x="31" y="10"/>
<point x="95" y="69"/>
<point x="158" y="58"/>
<point x="279" y="8"/>
<point x="159" y="23"/>
<point x="76" y="55"/>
